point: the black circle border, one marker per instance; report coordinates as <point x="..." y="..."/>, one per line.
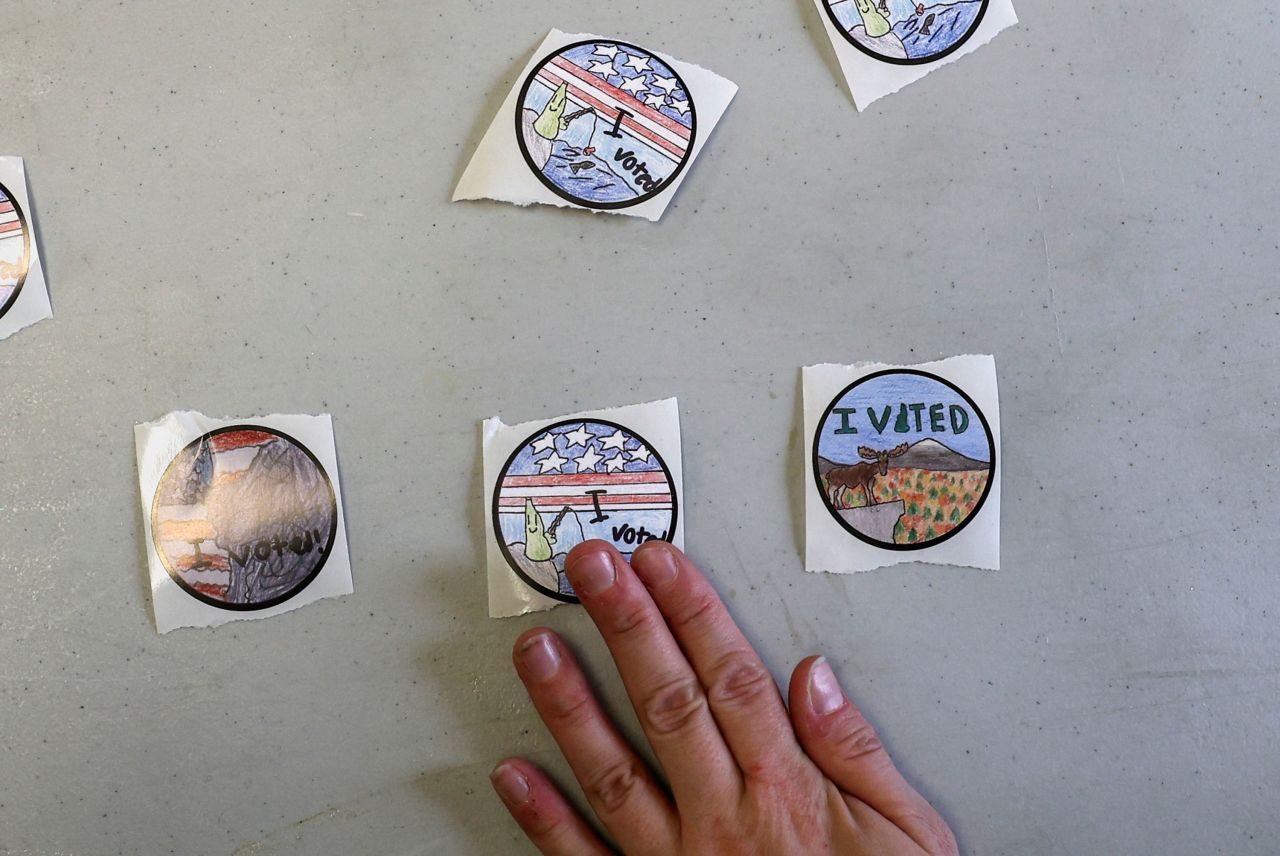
<point x="977" y="22"/>
<point x="817" y="476"/>
<point x="497" y="527"/>
<point x="564" y="194"/>
<point x="26" y="252"/>
<point x="275" y="601"/>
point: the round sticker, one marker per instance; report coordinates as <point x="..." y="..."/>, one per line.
<point x="903" y="459"/>
<point x="15" y="249"/>
<point x="573" y="482"/>
<point x="605" y="124"/>
<point x="244" y="518"/>
<point x="904" y="31"/>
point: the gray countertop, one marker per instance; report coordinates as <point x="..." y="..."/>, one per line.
<point x="243" y="208"/>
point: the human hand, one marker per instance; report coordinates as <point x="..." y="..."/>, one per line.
<point x="745" y="774"/>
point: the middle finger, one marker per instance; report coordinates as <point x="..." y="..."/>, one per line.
<point x="663" y="688"/>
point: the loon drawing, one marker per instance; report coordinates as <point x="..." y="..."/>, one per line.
<point x="541" y="129"/>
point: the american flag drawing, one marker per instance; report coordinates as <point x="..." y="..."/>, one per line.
<point x="628" y="88"/>
<point x="583" y="480"/>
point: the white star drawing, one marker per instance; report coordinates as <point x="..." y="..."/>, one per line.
<point x="611" y="51"/>
<point x="579" y="436"/>
<point x="551" y="464"/>
<point x="680" y="105"/>
<point x="587" y="463"/>
<point x="545" y="443"/>
<point x="634" y="85"/>
<point x="639" y="63"/>
<point x="656" y="101"/>
<point x="616" y="440"/>
<point x="604" y="69"/>
<point x="614" y="464"/>
<point x="666" y="84"/>
<point x="641" y="454"/>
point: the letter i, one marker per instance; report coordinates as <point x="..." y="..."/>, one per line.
<point x="617" y="125"/>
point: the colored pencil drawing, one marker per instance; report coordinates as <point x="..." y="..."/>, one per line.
<point x="905" y="31"/>
<point x="605" y="124"/>
<point x="572" y="482"/>
<point x="903" y="459"/>
<point x="244" y="518"/>
<point x="15" y="249"/>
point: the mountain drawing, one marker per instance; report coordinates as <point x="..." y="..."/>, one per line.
<point x="927" y="454"/>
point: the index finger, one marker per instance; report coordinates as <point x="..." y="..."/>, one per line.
<point x="743" y="696"/>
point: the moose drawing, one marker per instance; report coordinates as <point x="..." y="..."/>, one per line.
<point x="863" y="474"/>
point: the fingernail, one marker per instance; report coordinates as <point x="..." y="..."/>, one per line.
<point x="591" y="573"/>
<point x="825" y="695"/>
<point x="655" y="564"/>
<point x="510" y="783"/>
<point x="540" y="657"/>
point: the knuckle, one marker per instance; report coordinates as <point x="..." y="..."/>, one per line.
<point x="610" y="790"/>
<point x="696" y="612"/>
<point x="571" y="711"/>
<point x="739" y="681"/>
<point x="859" y="742"/>
<point x="674" y="707"/>
<point x="632" y="619"/>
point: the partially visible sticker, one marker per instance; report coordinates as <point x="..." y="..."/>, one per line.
<point x="605" y="124"/>
<point x="903" y="33"/>
<point x="612" y="475"/>
<point x="600" y="124"/>
<point x="24" y="300"/>
<point x="243" y="519"/>
<point x="882" y="45"/>
<point x="903" y="461"/>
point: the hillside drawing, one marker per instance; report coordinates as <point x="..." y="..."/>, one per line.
<point x="934" y="488"/>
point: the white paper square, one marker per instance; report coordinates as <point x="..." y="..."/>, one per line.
<point x="159" y="443"/>
<point x="19" y="250"/>
<point x="631" y="498"/>
<point x="871" y="78"/>
<point x="828" y="545"/>
<point x="499" y="170"/>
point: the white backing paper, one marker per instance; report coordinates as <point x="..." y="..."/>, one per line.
<point x="828" y="546"/>
<point x="871" y="79"/>
<point x="657" y="422"/>
<point x="32" y="302"/>
<point x="498" y="170"/>
<point x="159" y="442"/>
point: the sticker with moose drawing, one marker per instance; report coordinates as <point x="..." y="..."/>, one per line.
<point x="243" y="517"/>
<point x="902" y="465"/>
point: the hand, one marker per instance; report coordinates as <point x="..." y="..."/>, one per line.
<point x="745" y="774"/>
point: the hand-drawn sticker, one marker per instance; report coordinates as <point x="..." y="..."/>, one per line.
<point x="574" y="481"/>
<point x="906" y="32"/>
<point x="605" y="124"/>
<point x="903" y="459"/>
<point x="244" y="518"/>
<point x="15" y="249"/>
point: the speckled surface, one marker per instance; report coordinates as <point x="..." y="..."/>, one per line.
<point x="243" y="209"/>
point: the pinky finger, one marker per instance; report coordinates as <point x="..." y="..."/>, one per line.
<point x="553" y="825"/>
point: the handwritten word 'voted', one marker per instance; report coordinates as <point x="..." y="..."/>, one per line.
<point x="910" y="418"/>
<point x="299" y="544"/>
<point x="627" y="534"/>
